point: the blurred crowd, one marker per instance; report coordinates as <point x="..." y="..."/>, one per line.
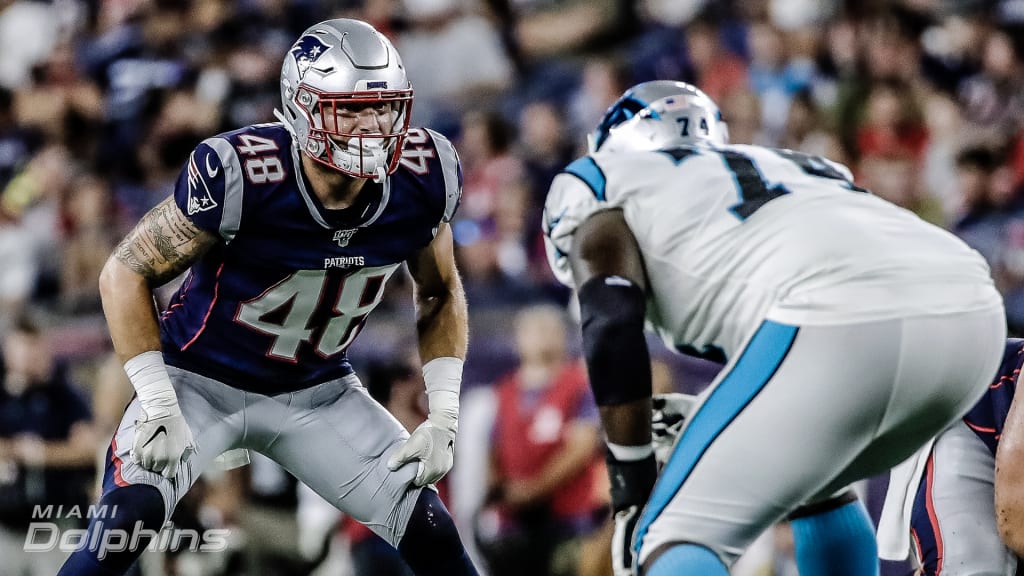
<point x="101" y="102"/>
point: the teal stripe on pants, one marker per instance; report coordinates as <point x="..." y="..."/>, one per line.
<point x="754" y="368"/>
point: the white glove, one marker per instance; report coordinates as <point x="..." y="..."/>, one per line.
<point x="162" y="444"/>
<point x="432" y="443"/>
<point x="623" y="561"/>
<point x="163" y="439"/>
<point x="670" y="413"/>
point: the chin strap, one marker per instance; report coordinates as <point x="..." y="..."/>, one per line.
<point x="280" y="116"/>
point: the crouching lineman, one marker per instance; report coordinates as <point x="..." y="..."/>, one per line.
<point x="853" y="332"/>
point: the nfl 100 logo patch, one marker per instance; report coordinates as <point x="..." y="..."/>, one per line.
<point x="342" y="237"/>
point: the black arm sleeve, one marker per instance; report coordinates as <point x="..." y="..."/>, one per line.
<point x="618" y="362"/>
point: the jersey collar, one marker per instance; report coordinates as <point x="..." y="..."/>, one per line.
<point x="365" y="212"/>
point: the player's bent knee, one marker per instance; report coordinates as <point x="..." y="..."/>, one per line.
<point x="429" y="522"/>
<point x="673" y="557"/>
<point x="135" y="514"/>
<point x="431" y="543"/>
<point x="135" y="503"/>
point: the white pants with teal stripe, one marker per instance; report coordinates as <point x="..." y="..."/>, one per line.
<point x="802" y="412"/>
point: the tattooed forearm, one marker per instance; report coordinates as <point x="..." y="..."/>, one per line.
<point x="163" y="244"/>
<point x="125" y="255"/>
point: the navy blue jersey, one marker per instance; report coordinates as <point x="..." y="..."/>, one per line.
<point x="275" y="304"/>
<point x="989" y="414"/>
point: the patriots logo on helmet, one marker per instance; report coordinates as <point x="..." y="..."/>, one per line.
<point x="307" y="51"/>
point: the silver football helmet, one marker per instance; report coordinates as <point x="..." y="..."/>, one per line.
<point x="659" y="114"/>
<point x="337" y="67"/>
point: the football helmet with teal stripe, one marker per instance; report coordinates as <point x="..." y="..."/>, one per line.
<point x="659" y="114"/>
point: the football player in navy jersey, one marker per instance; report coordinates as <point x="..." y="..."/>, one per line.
<point x="289" y="232"/>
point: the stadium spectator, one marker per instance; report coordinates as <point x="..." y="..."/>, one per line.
<point x="774" y="76"/>
<point x="993" y="98"/>
<point x="17" y="141"/>
<point x="90" y="230"/>
<point x="892" y="124"/>
<point x="602" y="80"/>
<point x="540" y="29"/>
<point x="716" y="66"/>
<point x="28" y="30"/>
<point x="806" y="128"/>
<point x="490" y="167"/>
<point x="29" y="230"/>
<point x="743" y="110"/>
<point x="546" y="469"/>
<point x="61" y="103"/>
<point x="544" y="145"/>
<point x="945" y="126"/>
<point x="454" y="58"/>
<point x="47" y="444"/>
<point x="993" y="223"/>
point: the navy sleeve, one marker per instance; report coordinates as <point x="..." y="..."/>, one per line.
<point x="451" y="170"/>
<point x="209" y="188"/>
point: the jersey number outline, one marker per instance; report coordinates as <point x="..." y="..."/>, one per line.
<point x="297" y="299"/>
<point x="415" y="156"/>
<point x="754" y="190"/>
<point x="259" y="167"/>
